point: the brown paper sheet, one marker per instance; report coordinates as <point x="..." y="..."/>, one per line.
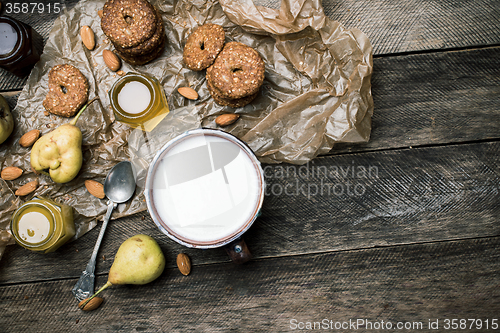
<point x="317" y="92"/>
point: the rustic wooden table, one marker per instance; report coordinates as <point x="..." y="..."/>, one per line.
<point x="414" y="242"/>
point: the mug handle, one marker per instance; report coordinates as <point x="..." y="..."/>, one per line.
<point x="238" y="251"/>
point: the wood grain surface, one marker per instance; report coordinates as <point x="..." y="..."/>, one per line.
<point x="402" y="229"/>
<point x="435" y="98"/>
<point x="417" y="25"/>
<point x="392" y="26"/>
<point x="336" y="203"/>
<point x="429" y="99"/>
<point x="415" y="283"/>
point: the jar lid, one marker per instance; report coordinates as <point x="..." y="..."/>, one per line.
<point x="10" y="37"/>
<point x="133" y="96"/>
<point x="33" y="225"/>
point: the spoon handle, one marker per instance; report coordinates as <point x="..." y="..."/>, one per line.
<point x="91" y="264"/>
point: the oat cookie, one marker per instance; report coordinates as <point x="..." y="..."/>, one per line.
<point x="149" y="45"/>
<point x="145" y="58"/>
<point x="203" y="46"/>
<point x="234" y="103"/>
<point x="238" y="71"/>
<point x="68" y="91"/>
<point x="128" y="23"/>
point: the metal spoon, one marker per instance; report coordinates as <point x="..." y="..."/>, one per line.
<point x="119" y="187"/>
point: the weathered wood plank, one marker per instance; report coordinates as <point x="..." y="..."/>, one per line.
<point x="433" y="99"/>
<point x="336" y="203"/>
<point x="415" y="283"/>
<point x="416" y="25"/>
<point x="392" y="26"/>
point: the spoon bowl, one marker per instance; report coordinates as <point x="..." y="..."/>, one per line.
<point x="119" y="185"/>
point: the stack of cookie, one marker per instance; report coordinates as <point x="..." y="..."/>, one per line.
<point x="236" y="76"/>
<point x="235" y="71"/>
<point x="135" y="27"/>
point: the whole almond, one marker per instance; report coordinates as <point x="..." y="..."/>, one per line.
<point x="29" y="138"/>
<point x="187" y="92"/>
<point x="93" y="304"/>
<point x="88" y="37"/>
<point x="99" y="12"/>
<point x="27" y="188"/>
<point x="226" y="119"/>
<point x="11" y="173"/>
<point x="95" y="188"/>
<point x="111" y="60"/>
<point x="184" y="263"/>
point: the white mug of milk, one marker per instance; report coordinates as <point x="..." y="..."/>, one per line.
<point x="204" y="189"/>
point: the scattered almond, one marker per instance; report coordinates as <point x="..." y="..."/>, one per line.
<point x="27" y="188"/>
<point x="121" y="73"/>
<point x="93" y="304"/>
<point x="29" y="138"/>
<point x="184" y="263"/>
<point x="11" y="173"/>
<point x="95" y="188"/>
<point x="226" y="119"/>
<point x="111" y="60"/>
<point x="99" y="12"/>
<point x="88" y="37"/>
<point x="187" y="92"/>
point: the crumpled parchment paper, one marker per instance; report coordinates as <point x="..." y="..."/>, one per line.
<point x="316" y="92"/>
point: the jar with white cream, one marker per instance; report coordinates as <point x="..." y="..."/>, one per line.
<point x="42" y="225"/>
<point x="139" y="101"/>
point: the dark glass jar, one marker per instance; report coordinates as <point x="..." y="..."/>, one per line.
<point x="20" y="47"/>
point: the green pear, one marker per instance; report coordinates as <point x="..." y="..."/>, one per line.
<point x="6" y="120"/>
<point x="60" y="151"/>
<point x="139" y="260"/>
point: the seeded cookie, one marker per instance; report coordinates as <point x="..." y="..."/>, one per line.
<point x="68" y="91"/>
<point x="238" y="71"/>
<point x="128" y="23"/>
<point x="145" y="58"/>
<point x="203" y="46"/>
<point x="148" y="46"/>
<point x="234" y="103"/>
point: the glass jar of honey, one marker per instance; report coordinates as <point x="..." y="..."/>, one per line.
<point x="139" y="101"/>
<point x="20" y="47"/>
<point x="42" y="225"/>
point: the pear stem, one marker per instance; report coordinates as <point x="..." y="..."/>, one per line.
<point x="108" y="284"/>
<point x="74" y="120"/>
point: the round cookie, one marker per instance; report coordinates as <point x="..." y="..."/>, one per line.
<point x="203" y="46"/>
<point x="238" y="71"/>
<point x="128" y="23"/>
<point x="149" y="45"/>
<point x="234" y="103"/>
<point x="68" y="91"/>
